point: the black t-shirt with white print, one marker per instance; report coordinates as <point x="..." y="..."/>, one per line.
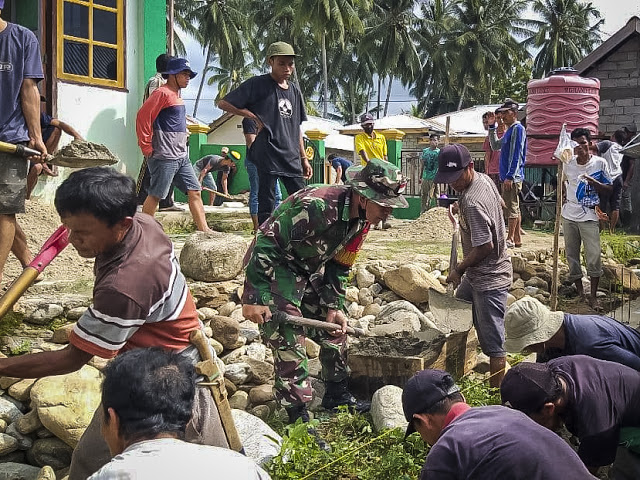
<point x="276" y="149"/>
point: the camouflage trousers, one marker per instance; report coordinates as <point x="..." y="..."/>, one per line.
<point x="287" y="342"/>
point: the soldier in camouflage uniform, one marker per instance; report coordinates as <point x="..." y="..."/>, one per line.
<point x="299" y="264"/>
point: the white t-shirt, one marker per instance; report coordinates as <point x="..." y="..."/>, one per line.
<point x="171" y="459"/>
<point x="613" y="157"/>
<point x="573" y="209"/>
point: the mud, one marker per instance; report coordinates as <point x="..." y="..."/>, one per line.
<point x="84" y="154"/>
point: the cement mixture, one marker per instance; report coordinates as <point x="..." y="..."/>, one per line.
<point x="39" y="222"/>
<point x="80" y="153"/>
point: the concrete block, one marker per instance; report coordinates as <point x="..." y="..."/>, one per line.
<point x="623" y="119"/>
<point x="624" y="102"/>
<point x="632" y="110"/>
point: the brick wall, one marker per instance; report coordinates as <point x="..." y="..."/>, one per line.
<point x="619" y="76"/>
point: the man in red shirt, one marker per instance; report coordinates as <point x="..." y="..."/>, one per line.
<point x="140" y="299"/>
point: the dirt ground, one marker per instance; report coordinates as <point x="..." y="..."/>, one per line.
<point x="39" y="222"/>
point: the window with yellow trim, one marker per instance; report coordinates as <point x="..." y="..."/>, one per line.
<point x="91" y="41"/>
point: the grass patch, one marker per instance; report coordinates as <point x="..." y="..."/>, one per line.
<point x="10" y="323"/>
<point x="624" y="247"/>
<point x="22" y="347"/>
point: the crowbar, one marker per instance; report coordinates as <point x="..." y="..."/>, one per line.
<point x="51" y="248"/>
<point x="282" y="317"/>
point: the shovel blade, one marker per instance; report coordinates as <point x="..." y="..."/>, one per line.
<point x="450" y="313"/>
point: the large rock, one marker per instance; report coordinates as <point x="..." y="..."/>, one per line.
<point x="238" y="373"/>
<point x="61" y="335"/>
<point x="364" y="278"/>
<point x="261" y="394"/>
<point x="402" y="313"/>
<point x="616" y="275"/>
<point x="249" y="330"/>
<point x="239" y="400"/>
<point x="412" y="283"/>
<point x="24" y="441"/>
<point x="66" y="403"/>
<point x="8" y="444"/>
<point x="212" y="257"/>
<point x="9" y="411"/>
<point x="18" y="471"/>
<point x="260" y="442"/>
<point x="28" y="423"/>
<point x="536" y="282"/>
<point x="386" y="408"/>
<point x="21" y="390"/>
<point x="261" y="372"/>
<point x="226" y="330"/>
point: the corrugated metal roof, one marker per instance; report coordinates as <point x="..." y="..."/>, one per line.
<point x="404" y="122"/>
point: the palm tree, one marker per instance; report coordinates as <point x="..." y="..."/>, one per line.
<point x="485" y="37"/>
<point x="221" y="27"/>
<point x="327" y="20"/>
<point x="567" y="31"/>
<point x="390" y="38"/>
<point x="229" y="78"/>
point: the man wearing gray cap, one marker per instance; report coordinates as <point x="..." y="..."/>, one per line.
<point x="530" y="326"/>
<point x="484" y="276"/>
<point x="491" y="442"/>
<point x="276" y="105"/>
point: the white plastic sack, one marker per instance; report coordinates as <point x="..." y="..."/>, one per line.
<point x="564" y="150"/>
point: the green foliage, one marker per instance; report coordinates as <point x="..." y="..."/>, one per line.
<point x="624" y="247"/>
<point x="478" y="393"/>
<point x="357" y="452"/>
<point x="22" y="347"/>
<point x="9" y="323"/>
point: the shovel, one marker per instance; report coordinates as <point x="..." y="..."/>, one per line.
<point x="75" y="155"/>
<point x="451" y="313"/>
<point x="282" y="317"/>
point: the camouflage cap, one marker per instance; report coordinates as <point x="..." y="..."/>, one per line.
<point x="379" y="181"/>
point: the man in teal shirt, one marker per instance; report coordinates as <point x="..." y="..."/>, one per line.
<point x="429" y="169"/>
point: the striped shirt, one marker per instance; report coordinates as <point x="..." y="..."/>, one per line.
<point x="481" y="222"/>
<point x="161" y="125"/>
<point x="513" y="150"/>
<point x="140" y="297"/>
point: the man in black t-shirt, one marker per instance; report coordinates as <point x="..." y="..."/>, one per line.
<point x="598" y="401"/>
<point x="277" y="107"/>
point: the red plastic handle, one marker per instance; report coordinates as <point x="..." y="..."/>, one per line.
<point x="51" y="248"/>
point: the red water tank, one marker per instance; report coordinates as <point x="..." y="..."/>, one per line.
<point x="562" y="97"/>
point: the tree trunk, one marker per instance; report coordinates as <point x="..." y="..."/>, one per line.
<point x="325" y="76"/>
<point x="464" y="91"/>
<point x="202" y="77"/>
<point x="379" y="88"/>
<point x="353" y="102"/>
<point x="386" y="103"/>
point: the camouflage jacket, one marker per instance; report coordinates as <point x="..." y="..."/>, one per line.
<point x="308" y="239"/>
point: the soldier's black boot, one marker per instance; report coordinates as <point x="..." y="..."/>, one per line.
<point x="337" y="393"/>
<point x="300" y="411"/>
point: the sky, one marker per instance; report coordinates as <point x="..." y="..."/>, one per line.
<point x="616" y="13"/>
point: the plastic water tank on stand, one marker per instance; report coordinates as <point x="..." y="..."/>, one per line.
<point x="562" y="97"/>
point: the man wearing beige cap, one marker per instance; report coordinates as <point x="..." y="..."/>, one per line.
<point x="276" y="105"/>
<point x="531" y="326"/>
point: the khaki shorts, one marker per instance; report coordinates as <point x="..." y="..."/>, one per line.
<point x="13" y="184"/>
<point x="511" y="199"/>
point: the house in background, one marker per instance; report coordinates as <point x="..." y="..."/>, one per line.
<point x="97" y="56"/>
<point x="616" y="64"/>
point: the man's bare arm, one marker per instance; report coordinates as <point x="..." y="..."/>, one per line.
<point x="243" y="112"/>
<point x="66" y="128"/>
<point x="44" y="364"/>
<point x="30" y="102"/>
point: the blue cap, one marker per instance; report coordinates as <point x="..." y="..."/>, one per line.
<point x="177" y="65"/>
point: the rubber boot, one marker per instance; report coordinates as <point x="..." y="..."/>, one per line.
<point x="300" y="411"/>
<point x="337" y="393"/>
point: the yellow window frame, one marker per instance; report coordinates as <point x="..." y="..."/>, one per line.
<point x="119" y="46"/>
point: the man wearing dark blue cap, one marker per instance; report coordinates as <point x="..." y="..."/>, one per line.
<point x="484" y="276"/>
<point x="481" y="443"/>
<point x="161" y="126"/>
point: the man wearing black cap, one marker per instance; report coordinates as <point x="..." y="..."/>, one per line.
<point x="513" y="149"/>
<point x="161" y="126"/>
<point x="598" y="401"/>
<point x="481" y="443"/>
<point x="484" y="276"/>
<point x="276" y="106"/>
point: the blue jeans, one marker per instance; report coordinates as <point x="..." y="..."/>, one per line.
<point x="254" y="186"/>
<point x="164" y="172"/>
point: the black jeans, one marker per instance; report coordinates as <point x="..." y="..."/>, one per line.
<point x="267" y="192"/>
